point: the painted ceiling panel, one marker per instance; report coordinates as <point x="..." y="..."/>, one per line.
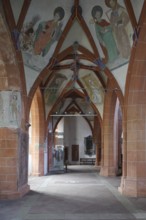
<point x="83" y="73"/>
<point x="94" y="88"/>
<point x="76" y="33"/>
<point x="114" y="45"/>
<point x="103" y="34"/>
<point x="40" y="13"/>
<point x="43" y="26"/>
<point x="54" y="89"/>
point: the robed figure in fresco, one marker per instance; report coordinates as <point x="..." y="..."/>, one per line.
<point x="119" y="20"/>
<point x="51" y="93"/>
<point x="48" y="32"/>
<point x="104" y="34"/>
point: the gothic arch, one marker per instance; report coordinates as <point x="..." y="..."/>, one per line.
<point x="37" y="135"/>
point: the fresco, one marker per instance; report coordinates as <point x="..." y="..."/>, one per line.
<point x="41" y="32"/>
<point x="111" y="29"/>
<point x="93" y="88"/>
<point x="52" y="91"/>
<point x="10" y="109"/>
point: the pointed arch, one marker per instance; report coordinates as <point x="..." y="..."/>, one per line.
<point x="37" y="134"/>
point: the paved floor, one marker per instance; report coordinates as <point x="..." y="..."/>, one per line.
<point x="79" y="194"/>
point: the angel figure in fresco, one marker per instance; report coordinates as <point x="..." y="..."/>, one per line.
<point x="104" y="34"/>
<point x="48" y="32"/>
<point x="119" y="20"/>
<point x="27" y="34"/>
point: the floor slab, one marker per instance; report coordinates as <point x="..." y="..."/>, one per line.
<point x="79" y="194"/>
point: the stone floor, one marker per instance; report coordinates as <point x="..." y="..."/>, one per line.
<point x="79" y="194"/>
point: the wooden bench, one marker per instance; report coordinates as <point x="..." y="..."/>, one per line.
<point x="87" y="161"/>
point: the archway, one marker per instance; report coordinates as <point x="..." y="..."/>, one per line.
<point x="111" y="132"/>
<point x="37" y="136"/>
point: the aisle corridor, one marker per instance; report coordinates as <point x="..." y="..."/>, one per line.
<point x="79" y="194"/>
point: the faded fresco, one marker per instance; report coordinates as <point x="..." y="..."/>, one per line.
<point x="37" y="37"/>
<point x="112" y="31"/>
<point x="52" y="90"/>
<point x="10" y="109"/>
<point x="93" y="88"/>
<point x="42" y="30"/>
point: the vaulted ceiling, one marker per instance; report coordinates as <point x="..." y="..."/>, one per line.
<point x="65" y="52"/>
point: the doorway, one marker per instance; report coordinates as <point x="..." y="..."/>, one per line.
<point x="75" y="152"/>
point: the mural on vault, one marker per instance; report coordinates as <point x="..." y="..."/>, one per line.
<point x="104" y="34"/>
<point x="48" y="32"/>
<point x="51" y="92"/>
<point x="119" y="20"/>
<point x="94" y="89"/>
<point x="107" y="20"/>
<point x="37" y="37"/>
<point x="112" y="31"/>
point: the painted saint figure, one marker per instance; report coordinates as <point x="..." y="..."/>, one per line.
<point x="51" y="93"/>
<point x="13" y="107"/>
<point x="104" y="34"/>
<point x="48" y="32"/>
<point x="119" y="19"/>
<point x="94" y="89"/>
<point x="95" y="93"/>
<point x="27" y="34"/>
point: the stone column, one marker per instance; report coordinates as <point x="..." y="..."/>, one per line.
<point x="134" y="166"/>
<point x="13" y="135"/>
<point x="97" y="140"/>
<point x="108" y="165"/>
